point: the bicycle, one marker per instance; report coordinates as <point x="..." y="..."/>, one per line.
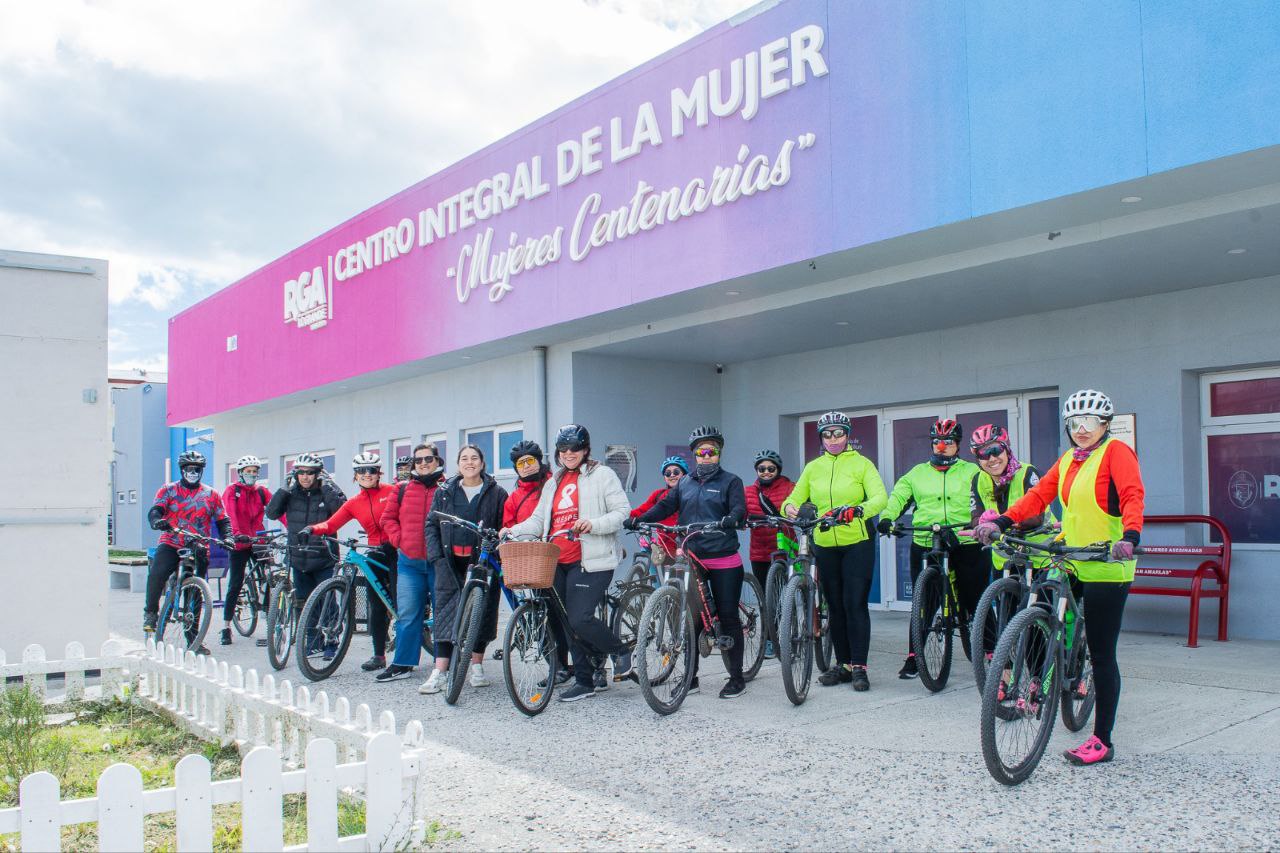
<point x="775" y="581"/>
<point x="1042" y="659"/>
<point x="803" y="626"/>
<point x="666" y="629"/>
<point x="254" y="598"/>
<point x="481" y="574"/>
<point x="282" y="610"/>
<point x="1001" y="601"/>
<point x="329" y="614"/>
<point x="186" y="601"/>
<point x="530" y="654"/>
<point x="935" y="611"/>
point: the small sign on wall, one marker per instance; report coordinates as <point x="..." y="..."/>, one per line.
<point x="1125" y="428"/>
<point x="622" y="459"/>
<point x="119" y="497"/>
<point x="133" y="496"/>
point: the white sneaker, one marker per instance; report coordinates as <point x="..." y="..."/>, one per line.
<point x="433" y="684"/>
<point x="478" y="678"/>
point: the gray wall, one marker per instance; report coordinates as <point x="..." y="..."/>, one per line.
<point x="141" y="444"/>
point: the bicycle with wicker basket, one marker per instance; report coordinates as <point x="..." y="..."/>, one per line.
<point x="530" y="655"/>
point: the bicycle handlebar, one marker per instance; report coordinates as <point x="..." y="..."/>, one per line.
<point x="1099" y="550"/>
<point x="822" y="522"/>
<point x="200" y="537"/>
<point x="903" y="529"/>
<point x="457" y="521"/>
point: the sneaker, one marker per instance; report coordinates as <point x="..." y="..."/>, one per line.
<point x="203" y="650"/>
<point x="330" y="652"/>
<point x="623" y="668"/>
<point x="375" y="662"/>
<point x="149" y="622"/>
<point x="693" y="686"/>
<point x="1092" y="751"/>
<point x="733" y="688"/>
<point x="433" y="684"/>
<point x="838" y="674"/>
<point x="909" y="668"/>
<point x="601" y="679"/>
<point x="578" y="691"/>
<point x="393" y="673"/>
<point x="860" y="681"/>
<point x="477" y="677"/>
<point x="769" y="651"/>
<point x="225" y="639"/>
<point x="562" y="675"/>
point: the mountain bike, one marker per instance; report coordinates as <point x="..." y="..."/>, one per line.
<point x="186" y="602"/>
<point x="935" y="611"/>
<point x="328" y="617"/>
<point x="1003" y="599"/>
<point x="255" y="592"/>
<point x="481" y="582"/>
<point x="666" y="640"/>
<point x="1042" y="659"/>
<point x="775" y="581"/>
<point x="530" y="652"/>
<point x="803" y="628"/>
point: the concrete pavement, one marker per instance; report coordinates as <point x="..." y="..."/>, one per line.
<point x="1197" y="765"/>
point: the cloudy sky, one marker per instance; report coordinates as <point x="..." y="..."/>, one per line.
<point x="190" y="143"/>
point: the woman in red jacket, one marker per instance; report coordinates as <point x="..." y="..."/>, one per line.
<point x="366" y="509"/>
<point x="245" y="502"/>
<point x="674" y="468"/>
<point x="765" y="497"/>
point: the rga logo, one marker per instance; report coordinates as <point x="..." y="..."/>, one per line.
<point x="1242" y="489"/>
<point x="307" y="300"/>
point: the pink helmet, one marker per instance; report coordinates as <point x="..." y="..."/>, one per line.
<point x="988" y="434"/>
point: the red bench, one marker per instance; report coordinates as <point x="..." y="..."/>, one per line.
<point x="1215" y="566"/>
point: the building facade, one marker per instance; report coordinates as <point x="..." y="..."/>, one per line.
<point x="140" y="454"/>
<point x="900" y="211"/>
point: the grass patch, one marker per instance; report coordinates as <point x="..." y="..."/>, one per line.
<point x="124" y="552"/>
<point x="103" y="734"/>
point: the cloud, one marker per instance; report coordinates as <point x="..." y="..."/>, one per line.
<point x="191" y="143"/>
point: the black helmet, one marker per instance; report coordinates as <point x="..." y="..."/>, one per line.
<point x="573" y="436"/>
<point x="526" y="448"/>
<point x="834" y="419"/>
<point x="705" y="433"/>
<point x="190" y="458"/>
<point x="768" y="455"/>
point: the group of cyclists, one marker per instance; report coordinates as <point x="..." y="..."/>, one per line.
<point x="425" y="559"/>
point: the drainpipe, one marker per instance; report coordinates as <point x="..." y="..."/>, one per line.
<point x="539" y="425"/>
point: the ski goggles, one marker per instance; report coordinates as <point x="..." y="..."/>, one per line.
<point x="1076" y="423"/>
<point x="834" y="432"/>
<point x="991" y="451"/>
<point x="367" y="469"/>
<point x="707" y="453"/>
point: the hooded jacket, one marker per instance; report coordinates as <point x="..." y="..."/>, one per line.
<point x="764" y="540"/>
<point x="305" y="508"/>
<point x="845" y="479"/>
<point x="601" y="501"/>
<point x="245" y="506"/>
<point x="524" y="500"/>
<point x="485" y="508"/>
<point x="697" y="500"/>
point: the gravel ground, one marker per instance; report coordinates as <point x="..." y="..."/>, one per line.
<point x="1197" y="767"/>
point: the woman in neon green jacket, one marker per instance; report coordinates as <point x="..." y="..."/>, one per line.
<point x="844" y="480"/>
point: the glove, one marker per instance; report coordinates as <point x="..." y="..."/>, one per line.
<point x="243" y="539"/>
<point x="630" y="523"/>
<point x="291" y="482"/>
<point x="161" y="524"/>
<point x="988" y="515"/>
<point x="1122" y="550"/>
<point x="848" y="513"/>
<point x="306" y="531"/>
<point x="986" y="532"/>
<point x="884" y="526"/>
<point x="303" y="536"/>
<point x="728" y="523"/>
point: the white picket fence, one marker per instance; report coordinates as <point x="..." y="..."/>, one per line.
<point x="276" y="726"/>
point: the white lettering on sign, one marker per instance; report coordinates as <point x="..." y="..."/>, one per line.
<point x="307" y="300"/>
<point x="1271" y="486"/>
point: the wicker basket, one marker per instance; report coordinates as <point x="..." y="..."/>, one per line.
<point x="529" y="565"/>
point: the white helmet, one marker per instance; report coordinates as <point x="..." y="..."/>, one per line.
<point x="249" y="461"/>
<point x="366" y="460"/>
<point x="1088" y="402"/>
<point x="308" y="460"/>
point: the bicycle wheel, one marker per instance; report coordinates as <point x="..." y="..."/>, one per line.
<point x="824" y="648"/>
<point x="751" y="610"/>
<point x="1078" y="694"/>
<point x="625" y="623"/>
<point x="194" y="610"/>
<point x="1000" y="602"/>
<point x="529" y="659"/>
<point x="428" y="642"/>
<point x="641" y="570"/>
<point x="465" y="643"/>
<point x="245" y="615"/>
<point x="1018" y="708"/>
<point x="325" y="626"/>
<point x="795" y="637"/>
<point x="664" y="650"/>
<point x="281" y="624"/>
<point x="773" y="585"/>
<point x="930" y="633"/>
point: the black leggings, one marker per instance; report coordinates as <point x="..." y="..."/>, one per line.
<point x="726" y="589"/>
<point x="235" y="582"/>
<point x="845" y="573"/>
<point x="1103" y="611"/>
<point x="972" y="568"/>
<point x="379" y="617"/>
<point x="581" y="593"/>
<point x="760" y="568"/>
<point x="164" y="564"/>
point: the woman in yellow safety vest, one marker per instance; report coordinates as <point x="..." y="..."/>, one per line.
<point x="1100" y="487"/>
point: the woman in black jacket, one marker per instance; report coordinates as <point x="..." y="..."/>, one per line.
<point x="474" y="495"/>
<point x="712" y="494"/>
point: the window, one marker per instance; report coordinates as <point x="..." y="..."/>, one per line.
<point x="374" y="447"/>
<point x="441" y="441"/>
<point x="328" y="457"/>
<point x="1240" y="436"/>
<point x="400" y="447"/>
<point x="496" y="442"/>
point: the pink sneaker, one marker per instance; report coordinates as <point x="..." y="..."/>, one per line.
<point x="1092" y="751"/>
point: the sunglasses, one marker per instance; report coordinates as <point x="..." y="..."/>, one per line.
<point x="707" y="453"/>
<point x="944" y="442"/>
<point x="832" y="433"/>
<point x="673" y="472"/>
<point x="526" y="462"/>
<point x="305" y="472"/>
<point x="423" y="460"/>
<point x="1087" y="422"/>
<point x="571" y="448"/>
<point x="991" y="451"/>
<point x="766" y="469"/>
<point x="361" y="472"/>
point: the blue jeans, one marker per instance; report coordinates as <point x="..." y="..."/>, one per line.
<point x="415" y="582"/>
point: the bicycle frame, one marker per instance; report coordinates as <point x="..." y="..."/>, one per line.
<point x="678" y="576"/>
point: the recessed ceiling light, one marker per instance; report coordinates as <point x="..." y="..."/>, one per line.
<point x="733" y="293"/>
<point x="842" y="322"/>
<point x="466" y="358"/>
<point x="1131" y="199"/>
<point x="1236" y="251"/>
